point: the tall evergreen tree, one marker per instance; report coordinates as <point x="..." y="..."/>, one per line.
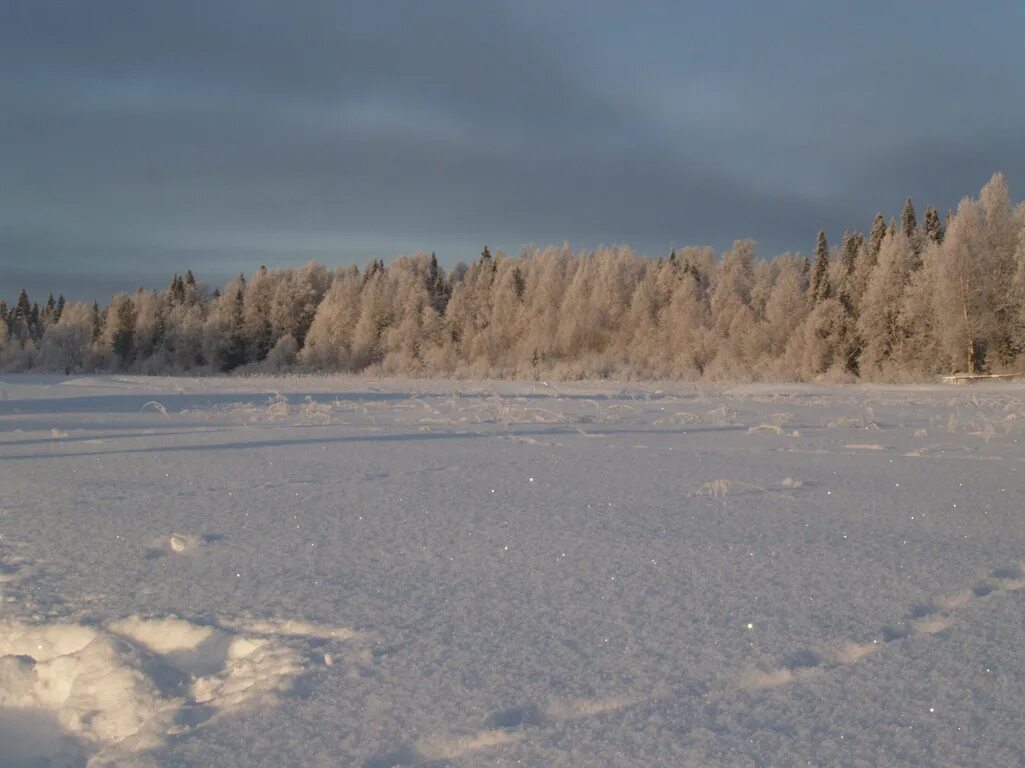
<point x="60" y="308"/>
<point x="159" y="326"/>
<point x="235" y="354"/>
<point x="176" y="292"/>
<point x="123" y="340"/>
<point x="908" y="220"/>
<point x="258" y="327"/>
<point x="487" y="264"/>
<point x="819" y="288"/>
<point x="96" y="322"/>
<point x="875" y="239"/>
<point x="437" y="289"/>
<point x="23" y="309"/>
<point x="48" y="313"/>
<point x="35" y="323"/>
<point x="849" y="341"/>
<point x="933" y="226"/>
<point x="852" y="243"/>
<point x="519" y="283"/>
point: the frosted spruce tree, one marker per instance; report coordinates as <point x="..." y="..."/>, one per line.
<point x="819" y="286"/>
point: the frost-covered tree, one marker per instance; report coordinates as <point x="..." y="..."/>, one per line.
<point x="21" y="316"/>
<point x="66" y="343"/>
<point x="150" y="324"/>
<point x="413" y="323"/>
<point x="374" y="316"/>
<point x="329" y="340"/>
<point x="224" y="341"/>
<point x="878" y="325"/>
<point x="256" y="315"/>
<point x="908" y="220"/>
<point x="119" y="341"/>
<point x="730" y="303"/>
<point x="819" y="286"/>
<point x="689" y="338"/>
<point x="786" y="307"/>
<point x="875" y="238"/>
<point x="296" y="297"/>
<point x="906" y="301"/>
<point x="933" y="226"/>
<point x="437" y="288"/>
<point x="917" y="352"/>
<point x="975" y="274"/>
<point x="816" y="347"/>
<point x="850" y="289"/>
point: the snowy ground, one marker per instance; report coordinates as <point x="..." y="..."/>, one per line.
<point x="345" y="572"/>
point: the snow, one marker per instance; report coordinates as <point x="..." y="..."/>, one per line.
<point x="378" y="573"/>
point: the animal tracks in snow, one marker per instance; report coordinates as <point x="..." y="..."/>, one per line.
<point x="501" y="727"/>
<point x="517" y="723"/>
<point x="925" y="619"/>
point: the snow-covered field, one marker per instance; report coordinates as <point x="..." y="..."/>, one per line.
<point x="345" y="572"/>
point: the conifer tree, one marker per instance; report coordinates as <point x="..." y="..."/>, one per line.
<point x="878" y="233"/>
<point x="933" y="226"/>
<point x="519" y="284"/>
<point x="437" y="289"/>
<point x="820" y="290"/>
<point x="908" y="220"/>
<point x="853" y="246"/>
<point x="35" y="324"/>
<point x="878" y="323"/>
<point x="159" y="326"/>
<point x="176" y="293"/>
<point x="235" y="352"/>
<point x="259" y="330"/>
<point x="23" y="309"/>
<point x="96" y="321"/>
<point x="123" y="338"/>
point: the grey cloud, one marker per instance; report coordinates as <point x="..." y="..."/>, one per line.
<point x="144" y="137"/>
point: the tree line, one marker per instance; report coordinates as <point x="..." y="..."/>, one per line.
<point x="907" y="301"/>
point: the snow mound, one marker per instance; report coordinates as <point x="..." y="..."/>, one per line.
<point x="91" y="685"/>
<point x="291" y="628"/>
<point x="180" y="544"/>
<point x="68" y="690"/>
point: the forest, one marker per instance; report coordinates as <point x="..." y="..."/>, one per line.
<point x="906" y="302"/>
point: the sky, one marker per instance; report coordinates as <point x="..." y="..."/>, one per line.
<point x="139" y="139"/>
